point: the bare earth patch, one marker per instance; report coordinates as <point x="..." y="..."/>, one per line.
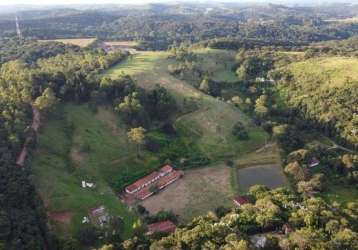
<point x="82" y="42"/>
<point x="61" y="217"/>
<point x="196" y="193"/>
<point x="76" y="155"/>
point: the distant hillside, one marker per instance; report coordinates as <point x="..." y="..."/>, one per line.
<point x="325" y="89"/>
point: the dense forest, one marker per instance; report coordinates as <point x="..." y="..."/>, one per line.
<point x="23" y="219"/>
<point x="29" y="50"/>
<point x="161" y="25"/>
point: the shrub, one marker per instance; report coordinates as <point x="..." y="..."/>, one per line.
<point x="239" y="131"/>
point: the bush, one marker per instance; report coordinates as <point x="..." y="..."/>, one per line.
<point x="239" y="131"/>
<point x="162" y="216"/>
<point x="152" y="146"/>
<point x="221" y="211"/>
<point x="142" y="210"/>
<point x="169" y="129"/>
<point x="88" y="235"/>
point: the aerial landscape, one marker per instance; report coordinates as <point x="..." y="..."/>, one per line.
<point x="210" y="125"/>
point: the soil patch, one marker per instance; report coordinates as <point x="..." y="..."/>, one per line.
<point x="61" y="217"/>
<point x="196" y="193"/>
<point x="77" y="156"/>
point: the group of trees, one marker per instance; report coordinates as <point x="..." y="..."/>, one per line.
<point x="311" y="223"/>
<point x="30" y="50"/>
<point x="42" y="83"/>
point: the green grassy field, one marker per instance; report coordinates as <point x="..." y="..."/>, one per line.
<point x="82" y="145"/>
<point x="218" y="63"/>
<point x="330" y="71"/>
<point x="340" y="194"/>
<point x="211" y="123"/>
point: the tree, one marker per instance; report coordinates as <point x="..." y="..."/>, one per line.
<point x="239" y="131"/>
<point x="107" y="247"/>
<point x="88" y="235"/>
<point x="137" y="136"/>
<point x="161" y="103"/>
<point x="237" y="101"/>
<point x="296" y="171"/>
<point x="46" y="100"/>
<point x="205" y="85"/>
<point x="348" y="162"/>
<point x="130" y="108"/>
<point x="261" y="105"/>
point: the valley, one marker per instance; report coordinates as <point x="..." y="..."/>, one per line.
<point x="180" y="125"/>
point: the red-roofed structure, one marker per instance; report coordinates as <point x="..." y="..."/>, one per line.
<point x="241" y="200"/>
<point x="166" y="169"/>
<point x="314" y="162"/>
<point x="143" y="188"/>
<point x="143" y="182"/>
<point x="97" y="210"/>
<point x="162" y="227"/>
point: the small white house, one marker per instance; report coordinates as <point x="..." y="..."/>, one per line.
<point x="85" y="220"/>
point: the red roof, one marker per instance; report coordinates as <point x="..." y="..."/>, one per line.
<point x="162" y="226"/>
<point x="97" y="210"/>
<point x="143" y="193"/>
<point x="166" y="168"/>
<point x="166" y="180"/>
<point x="142" y="181"/>
<point x="241" y="200"/>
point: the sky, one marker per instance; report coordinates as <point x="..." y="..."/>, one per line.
<point x="60" y="2"/>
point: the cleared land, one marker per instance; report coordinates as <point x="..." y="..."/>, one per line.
<point x="198" y="192"/>
<point x="121" y="43"/>
<point x="331" y="72"/>
<point x="82" y="145"/>
<point x="343" y="20"/>
<point x="270" y="175"/>
<point x="212" y="123"/>
<point x="217" y="64"/>
<point x="82" y="42"/>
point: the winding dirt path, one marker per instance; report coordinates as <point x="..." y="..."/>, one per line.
<point x="20" y="160"/>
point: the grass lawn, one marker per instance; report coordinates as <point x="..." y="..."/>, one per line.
<point x="340" y="194"/>
<point x="81" y="145"/>
<point x="211" y="123"/>
<point x="268" y="154"/>
<point x="218" y="63"/>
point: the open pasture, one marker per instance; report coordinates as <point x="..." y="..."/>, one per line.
<point x="80" y="144"/>
<point x="211" y="123"/>
<point x="217" y="64"/>
<point x="121" y="43"/>
<point x="81" y="42"/>
<point x="328" y="72"/>
<point x="196" y="193"/>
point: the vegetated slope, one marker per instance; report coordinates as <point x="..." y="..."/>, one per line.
<point x="82" y="145"/>
<point x="325" y="89"/>
<point x="211" y="123"/>
<point x="29" y="50"/>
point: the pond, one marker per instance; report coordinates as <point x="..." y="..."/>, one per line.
<point x="270" y="175"/>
